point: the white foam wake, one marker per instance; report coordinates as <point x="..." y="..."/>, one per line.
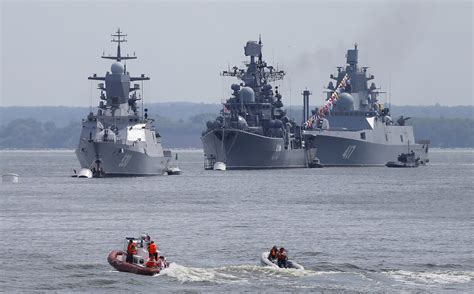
<point x="439" y="277"/>
<point x="189" y="274"/>
<point x="233" y="274"/>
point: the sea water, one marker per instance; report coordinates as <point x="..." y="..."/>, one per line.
<point x="372" y="229"/>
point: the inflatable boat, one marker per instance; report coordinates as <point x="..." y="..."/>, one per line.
<point x="267" y="262"/>
<point x="118" y="259"/>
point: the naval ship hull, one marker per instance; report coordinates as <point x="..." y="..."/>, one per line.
<point x="335" y="150"/>
<point x="117" y="159"/>
<point x="244" y="150"/>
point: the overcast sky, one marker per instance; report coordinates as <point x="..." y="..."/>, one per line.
<point x="424" y="49"/>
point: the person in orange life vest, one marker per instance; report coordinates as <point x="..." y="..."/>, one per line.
<point x="273" y="254"/>
<point x="153" y="250"/>
<point x="282" y="258"/>
<point x="151" y="262"/>
<point x="131" y="250"/>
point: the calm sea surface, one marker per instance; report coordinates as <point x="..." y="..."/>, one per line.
<point x="353" y="229"/>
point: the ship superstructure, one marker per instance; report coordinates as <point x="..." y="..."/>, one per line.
<point x="118" y="140"/>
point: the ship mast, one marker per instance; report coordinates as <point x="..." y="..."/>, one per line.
<point x="262" y="72"/>
<point x="120" y="39"/>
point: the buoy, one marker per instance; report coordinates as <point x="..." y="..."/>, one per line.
<point x="219" y="166"/>
<point x="10" y="178"/>
<point x="85" y="173"/>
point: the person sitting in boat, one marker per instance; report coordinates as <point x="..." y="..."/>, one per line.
<point x="282" y="258"/>
<point x="162" y="262"/>
<point x="153" y="250"/>
<point x="273" y="254"/>
<point x="131" y="250"/>
<point x="151" y="263"/>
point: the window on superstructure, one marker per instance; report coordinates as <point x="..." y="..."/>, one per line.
<point x="401" y="138"/>
<point x="386" y="137"/>
<point x="362" y="135"/>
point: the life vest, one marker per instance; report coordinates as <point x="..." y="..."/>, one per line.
<point x="282" y="255"/>
<point x="132" y="248"/>
<point x="152" y="248"/>
<point x="150" y="263"/>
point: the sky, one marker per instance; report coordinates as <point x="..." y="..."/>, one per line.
<point x="422" y="51"/>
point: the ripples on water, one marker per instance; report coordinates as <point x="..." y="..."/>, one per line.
<point x="354" y="229"/>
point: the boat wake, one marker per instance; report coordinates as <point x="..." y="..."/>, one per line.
<point x="250" y="274"/>
<point x="233" y="274"/>
<point x="431" y="278"/>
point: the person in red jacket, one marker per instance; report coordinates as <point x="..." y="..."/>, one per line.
<point x="153" y="250"/>
<point x="131" y="250"/>
<point x="282" y="258"/>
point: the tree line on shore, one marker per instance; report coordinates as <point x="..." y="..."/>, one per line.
<point x="30" y="133"/>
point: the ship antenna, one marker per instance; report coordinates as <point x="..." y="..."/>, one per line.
<point x="120" y="39"/>
<point x="390" y="91"/>
<point x="290" y="98"/>
<point x="90" y="97"/>
<point x="143" y="98"/>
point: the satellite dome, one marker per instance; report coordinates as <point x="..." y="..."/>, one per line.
<point x="345" y="102"/>
<point x="247" y="94"/>
<point x="117" y="68"/>
<point x="235" y="87"/>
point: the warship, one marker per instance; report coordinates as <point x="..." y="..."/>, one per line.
<point x="253" y="130"/>
<point x="118" y="140"/>
<point x="354" y="128"/>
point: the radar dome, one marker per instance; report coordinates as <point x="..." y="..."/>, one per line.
<point x="117" y="68"/>
<point x="247" y="94"/>
<point x="345" y="102"/>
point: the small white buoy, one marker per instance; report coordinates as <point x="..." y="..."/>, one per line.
<point x="219" y="166"/>
<point x="10" y="178"/>
<point x="85" y="173"/>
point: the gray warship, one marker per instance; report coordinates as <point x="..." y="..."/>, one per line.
<point x="119" y="140"/>
<point x="253" y="130"/>
<point x="354" y="128"/>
